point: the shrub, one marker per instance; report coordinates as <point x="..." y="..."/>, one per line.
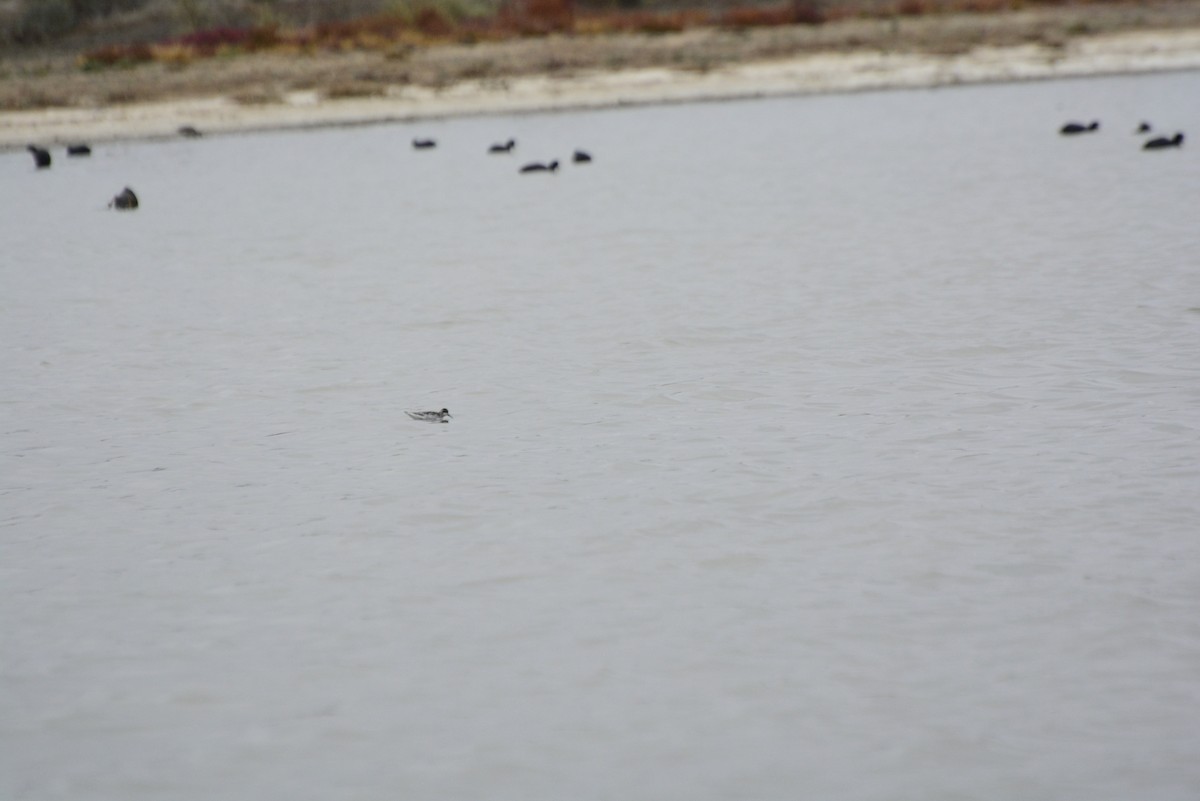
<point x="386" y="26"/>
<point x="116" y="56"/>
<point x="799" y="12"/>
<point x="431" y="22"/>
<point x="913" y="8"/>
<point x="752" y="17"/>
<point x="537" y="17"/>
<point x="41" y="20"/>
<point x="87" y="9"/>
<point x="660" y="23"/>
<point x="808" y="12"/>
<point x="374" y="30"/>
<point x="263" y="37"/>
<point x="208" y="41"/>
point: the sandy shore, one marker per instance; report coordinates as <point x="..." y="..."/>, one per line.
<point x="1129" y="52"/>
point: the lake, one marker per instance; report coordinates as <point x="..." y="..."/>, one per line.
<point x="829" y="447"/>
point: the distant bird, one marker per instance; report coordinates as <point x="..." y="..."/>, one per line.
<point x="507" y="147"/>
<point x="189" y="132"/>
<point x="1143" y="128"/>
<point x="539" y="167"/>
<point x="79" y="150"/>
<point x="431" y="417"/>
<point x="1078" y="128"/>
<point x="124" y="201"/>
<point x="1163" y="142"/>
<point x="581" y="157"/>
<point x="41" y="156"/>
<point x="424" y="144"/>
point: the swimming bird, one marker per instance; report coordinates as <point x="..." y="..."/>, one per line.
<point x="581" y="157"/>
<point x="504" y="148"/>
<point x="189" y="132"/>
<point x="1078" y="128"/>
<point x="125" y="200"/>
<point x="1143" y="128"/>
<point x="41" y="156"/>
<point x="431" y="417"/>
<point x="424" y="144"/>
<point x="1163" y="142"/>
<point x="539" y="167"/>
<point x="79" y="150"/>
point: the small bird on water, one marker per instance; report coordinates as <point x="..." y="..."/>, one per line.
<point x="1163" y="142"/>
<point x="539" y="167"/>
<point x="1077" y="128"/>
<point x="41" y="156"/>
<point x="507" y="147"/>
<point x="431" y="417"/>
<point x="124" y="201"/>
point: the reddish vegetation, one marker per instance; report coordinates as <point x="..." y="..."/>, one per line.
<point x="117" y="55"/>
<point x="518" y="18"/>
<point x="208" y="42"/>
<point x="799" y="12"/>
<point x="536" y="17"/>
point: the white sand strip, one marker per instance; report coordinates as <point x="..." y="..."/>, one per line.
<point x="833" y="72"/>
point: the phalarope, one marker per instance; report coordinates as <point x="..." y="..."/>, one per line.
<point x="431" y="417"/>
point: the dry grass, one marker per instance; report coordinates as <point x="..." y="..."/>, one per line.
<point x="354" y="89"/>
<point x="257" y="96"/>
<point x="27" y="98"/>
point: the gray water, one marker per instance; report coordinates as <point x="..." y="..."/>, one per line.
<point x="832" y="447"/>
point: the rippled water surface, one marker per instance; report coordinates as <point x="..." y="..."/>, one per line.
<point x="829" y="448"/>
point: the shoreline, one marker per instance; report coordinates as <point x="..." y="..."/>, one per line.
<point x="865" y="70"/>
